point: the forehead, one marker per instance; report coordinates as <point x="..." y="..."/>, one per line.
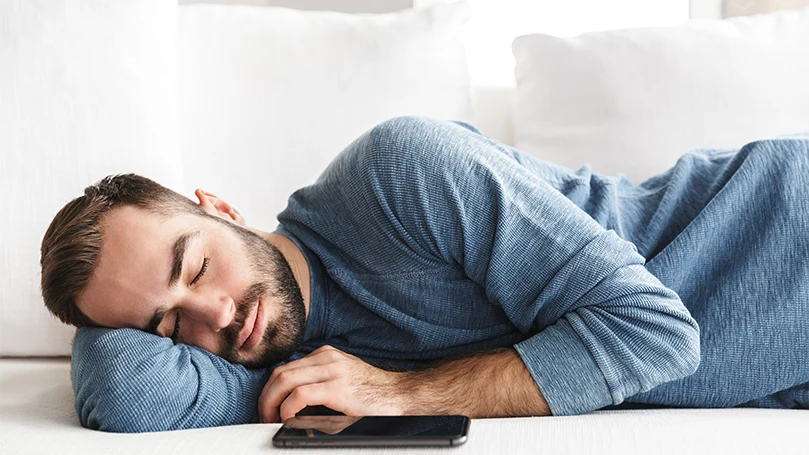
<point x="131" y="278"/>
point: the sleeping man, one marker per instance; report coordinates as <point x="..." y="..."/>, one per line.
<point x="431" y="270"/>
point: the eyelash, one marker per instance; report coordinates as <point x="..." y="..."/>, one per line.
<point x="202" y="270"/>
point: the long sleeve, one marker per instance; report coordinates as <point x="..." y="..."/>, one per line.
<point x="599" y="327"/>
<point x="129" y="381"/>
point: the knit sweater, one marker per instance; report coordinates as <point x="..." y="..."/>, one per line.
<point x="427" y="240"/>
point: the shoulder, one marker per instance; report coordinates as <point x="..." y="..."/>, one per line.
<point x="416" y="140"/>
<point x="411" y="151"/>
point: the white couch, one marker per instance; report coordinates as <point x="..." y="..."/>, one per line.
<point x="38" y="418"/>
<point x="252" y="103"/>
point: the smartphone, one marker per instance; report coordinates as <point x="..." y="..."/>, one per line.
<point x="373" y="431"/>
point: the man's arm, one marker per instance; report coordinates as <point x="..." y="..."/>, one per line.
<point x="495" y="384"/>
<point x="130" y="381"/>
<point x="598" y="327"/>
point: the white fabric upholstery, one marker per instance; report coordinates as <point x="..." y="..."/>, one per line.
<point x="87" y="88"/>
<point x="270" y="95"/>
<point x="633" y="101"/>
<point x="38" y="418"/>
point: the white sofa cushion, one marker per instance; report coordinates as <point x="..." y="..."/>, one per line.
<point x="270" y="95"/>
<point x="38" y="418"/>
<point x="87" y="88"/>
<point x="633" y="101"/>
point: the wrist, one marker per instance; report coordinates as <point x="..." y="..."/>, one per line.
<point x="409" y="393"/>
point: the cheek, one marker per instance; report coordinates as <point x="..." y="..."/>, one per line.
<point x="204" y="339"/>
<point x="234" y="274"/>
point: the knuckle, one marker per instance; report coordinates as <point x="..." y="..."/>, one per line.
<point x="284" y="376"/>
<point x="334" y="355"/>
<point x="298" y="394"/>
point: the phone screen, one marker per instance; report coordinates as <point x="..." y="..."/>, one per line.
<point x="344" y="431"/>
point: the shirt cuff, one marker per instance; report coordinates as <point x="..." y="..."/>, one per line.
<point x="565" y="371"/>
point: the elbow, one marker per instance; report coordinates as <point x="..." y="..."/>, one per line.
<point x="112" y="414"/>
<point x="684" y="348"/>
<point x="119" y="383"/>
<point x="676" y="334"/>
<point x="102" y="405"/>
<point x="672" y="348"/>
<point x="114" y="404"/>
<point x="691" y="354"/>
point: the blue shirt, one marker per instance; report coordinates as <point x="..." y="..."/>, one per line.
<point x="427" y="240"/>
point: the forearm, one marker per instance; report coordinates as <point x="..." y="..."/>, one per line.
<point x="126" y="380"/>
<point x="495" y="384"/>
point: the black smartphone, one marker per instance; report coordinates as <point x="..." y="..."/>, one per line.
<point x="373" y="431"/>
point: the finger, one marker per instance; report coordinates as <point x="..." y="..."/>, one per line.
<point x="320" y="355"/>
<point x="285" y="382"/>
<point x="270" y="416"/>
<point x="308" y="395"/>
<point x="317" y="357"/>
<point x="325" y="348"/>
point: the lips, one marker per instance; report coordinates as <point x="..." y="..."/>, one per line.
<point x="247" y="327"/>
<point x="252" y="329"/>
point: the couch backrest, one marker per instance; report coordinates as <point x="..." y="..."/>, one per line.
<point x="269" y="96"/>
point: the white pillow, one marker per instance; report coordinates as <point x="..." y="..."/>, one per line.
<point x="87" y="88"/>
<point x="270" y="95"/>
<point x="633" y="101"/>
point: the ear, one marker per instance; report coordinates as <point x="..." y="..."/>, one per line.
<point x="218" y="207"/>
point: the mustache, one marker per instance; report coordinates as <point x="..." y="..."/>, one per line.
<point x="243" y="308"/>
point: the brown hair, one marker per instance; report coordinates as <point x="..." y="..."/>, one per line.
<point x="72" y="243"/>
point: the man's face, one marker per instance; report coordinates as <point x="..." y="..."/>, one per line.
<point x="197" y="279"/>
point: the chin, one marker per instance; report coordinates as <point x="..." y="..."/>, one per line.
<point x="275" y="347"/>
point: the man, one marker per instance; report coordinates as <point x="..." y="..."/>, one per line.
<point x="431" y="270"/>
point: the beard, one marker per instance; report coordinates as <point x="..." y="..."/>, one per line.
<point x="273" y="278"/>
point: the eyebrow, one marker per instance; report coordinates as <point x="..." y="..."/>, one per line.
<point x="180" y="245"/>
<point x="178" y="254"/>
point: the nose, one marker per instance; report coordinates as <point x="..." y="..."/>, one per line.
<point x="216" y="312"/>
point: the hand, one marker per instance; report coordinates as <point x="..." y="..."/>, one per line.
<point x="334" y="379"/>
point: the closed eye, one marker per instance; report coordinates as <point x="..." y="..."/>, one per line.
<point x="176" y="333"/>
<point x="201" y="270"/>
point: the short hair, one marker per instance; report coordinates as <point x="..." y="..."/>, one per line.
<point x="72" y="243"/>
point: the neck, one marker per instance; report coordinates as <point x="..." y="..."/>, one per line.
<point x="295" y="258"/>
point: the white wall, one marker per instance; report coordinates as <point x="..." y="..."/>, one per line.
<point x="347" y="6"/>
<point x="732" y="8"/>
